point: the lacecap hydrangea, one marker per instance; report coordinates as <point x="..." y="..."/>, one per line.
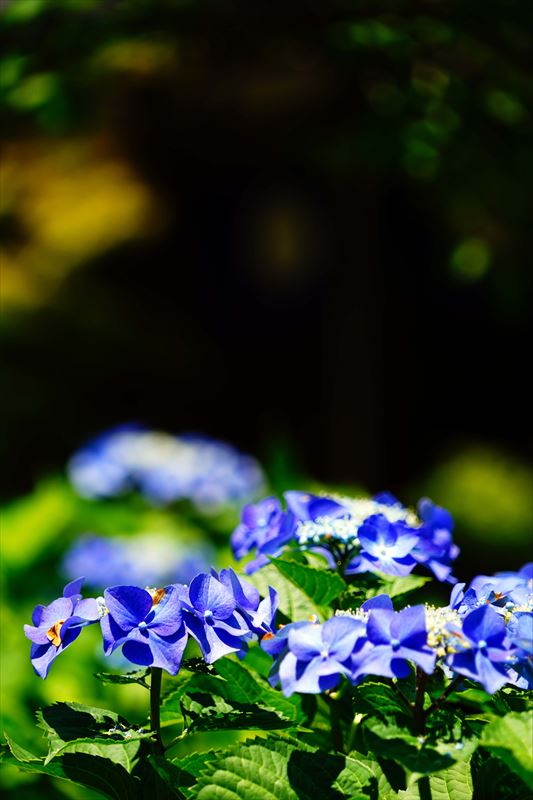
<point x="485" y="634"/>
<point x="356" y="535"/>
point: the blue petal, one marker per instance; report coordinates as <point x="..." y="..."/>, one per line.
<point x="380" y="601"/>
<point x="73" y="588"/>
<point x="37" y="635"/>
<point x="341" y="634"/>
<point x="37" y="615"/>
<point x="42" y="657"/>
<point x="246" y="595"/>
<point x="306" y="642"/>
<point x="87" y="609"/>
<point x="377" y="661"/>
<point x="59" y="609"/>
<point x="409" y="627"/>
<point x="379" y="625"/>
<point x="138" y="653"/>
<point x="423" y="658"/>
<point x="167" y="617"/>
<point x="318" y="675"/>
<point x="490" y="677"/>
<point x="168" y="650"/>
<point x="208" y="594"/>
<point x="128" y="605"/>
<point x="484" y="624"/>
<point x="306" y="506"/>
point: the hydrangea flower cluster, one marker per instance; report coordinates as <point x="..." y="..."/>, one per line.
<point x="504" y="602"/>
<point x="165" y="469"/>
<point x="153" y="559"/>
<point x="485" y="634"/>
<point x="221" y="611"/>
<point x="356" y="534"/>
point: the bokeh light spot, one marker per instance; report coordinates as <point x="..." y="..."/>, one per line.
<point x="471" y="259"/>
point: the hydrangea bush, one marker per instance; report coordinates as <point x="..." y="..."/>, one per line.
<point x="354" y="687"/>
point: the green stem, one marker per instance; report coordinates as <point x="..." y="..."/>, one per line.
<point x="156" y="675"/>
<point x="446" y="693"/>
<point x="334" y="717"/>
<point x="418" y="710"/>
<point x="424" y="788"/>
<point x="403" y="698"/>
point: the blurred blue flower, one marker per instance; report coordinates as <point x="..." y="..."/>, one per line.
<point x="57" y="625"/>
<point x="165" y="468"/>
<point x="150" y="559"/>
<point x="148" y="626"/>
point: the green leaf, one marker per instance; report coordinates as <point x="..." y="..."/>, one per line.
<point x="189" y="768"/>
<point x="233" y="699"/>
<point x="413" y="753"/>
<point x="20" y="753"/>
<point x="207" y="713"/>
<point x="245" y="687"/>
<point x="454" y="783"/>
<point x="210" y="703"/>
<point x="357" y="780"/>
<point x="138" y="676"/>
<point x="74" y="728"/>
<point x="379" y="699"/>
<point x="399" y="587"/>
<point x="99" y="774"/>
<point x="303" y="591"/>
<point x="511" y="739"/>
<point x="493" y="780"/>
<point x="278" y="770"/>
<point x="320" y="585"/>
<point x="158" y="779"/>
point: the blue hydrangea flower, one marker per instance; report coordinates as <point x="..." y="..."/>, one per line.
<point x="148" y="626"/>
<point x="385" y="546"/>
<point x="506" y="592"/>
<point x="267" y="528"/>
<point x="165" y="469"/>
<point x="435" y="548"/>
<point x="484" y="652"/>
<point x="520" y="632"/>
<point x="314" y="657"/>
<point x="307" y="507"/>
<point x="395" y="639"/>
<point x="364" y="534"/>
<point x="264" y="527"/>
<point x="260" y="614"/>
<point x="146" y="560"/>
<point x="57" y="625"/>
<point x="211" y="616"/>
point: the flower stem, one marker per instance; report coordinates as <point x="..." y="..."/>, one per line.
<point x="418" y="710"/>
<point x="439" y="701"/>
<point x="156" y="674"/>
<point x="403" y="698"/>
<point x="334" y="718"/>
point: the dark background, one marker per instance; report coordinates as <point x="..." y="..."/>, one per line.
<point x="335" y="268"/>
